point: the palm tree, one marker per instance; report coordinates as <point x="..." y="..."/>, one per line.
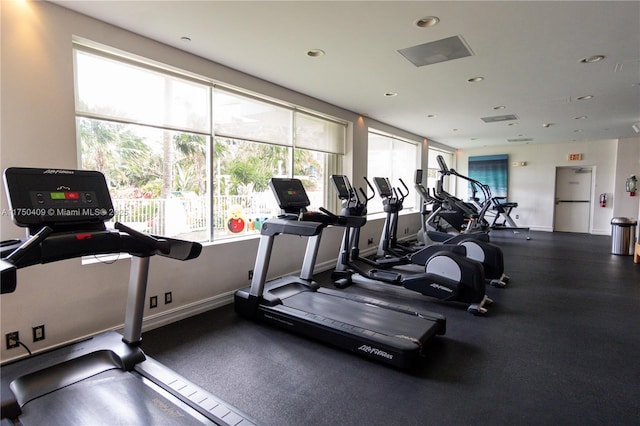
<point x="190" y="162"/>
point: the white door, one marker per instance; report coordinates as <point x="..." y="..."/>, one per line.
<point x="573" y="199"/>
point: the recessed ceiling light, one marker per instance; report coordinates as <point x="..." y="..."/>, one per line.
<point x="390" y="94"/>
<point x="578" y="130"/>
<point x="584" y="98"/>
<point x="582" y="117"/>
<point x="499" y="107"/>
<point x="547" y="125"/>
<point x="432" y="115"/>
<point x="428" y="21"/>
<point x="185" y="38"/>
<point x="315" y="53"/>
<point x="592" y="59"/>
<point x="475" y="79"/>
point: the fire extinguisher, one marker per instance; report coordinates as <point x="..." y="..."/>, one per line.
<point x="603" y="200"/>
<point x="632" y="185"/>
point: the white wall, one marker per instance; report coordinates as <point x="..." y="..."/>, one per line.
<point x="533" y="186"/>
<point x="628" y="164"/>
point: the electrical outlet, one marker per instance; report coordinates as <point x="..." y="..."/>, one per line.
<point x="370" y="242"/>
<point x="38" y="333"/>
<point x="250" y="274"/>
<point x="153" y="302"/>
<point x="406" y="231"/>
<point x="12" y="339"/>
<point x="168" y="298"/>
<point x="517" y="216"/>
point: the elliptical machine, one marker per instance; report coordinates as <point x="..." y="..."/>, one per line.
<point x="392" y="203"/>
<point x="454" y="216"/>
<point x="493" y="207"/>
<point x="447" y="275"/>
<point x="477" y="244"/>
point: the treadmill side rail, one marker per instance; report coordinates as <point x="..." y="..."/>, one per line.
<point x="199" y="399"/>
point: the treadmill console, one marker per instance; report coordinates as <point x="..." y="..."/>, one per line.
<point x="57" y="198"/>
<point x="384" y="189"/>
<point x="290" y="194"/>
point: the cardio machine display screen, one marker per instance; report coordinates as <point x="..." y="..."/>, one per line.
<point x="50" y="196"/>
<point x="383" y="186"/>
<point x="289" y="192"/>
<point x="340" y="184"/>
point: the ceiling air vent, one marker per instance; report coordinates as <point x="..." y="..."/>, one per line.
<point x="436" y="51"/>
<point x="498" y="118"/>
<point x="520" y="140"/>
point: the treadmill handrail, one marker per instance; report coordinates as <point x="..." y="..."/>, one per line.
<point x="69" y="245"/>
<point x="9" y="268"/>
<point x="291" y="226"/>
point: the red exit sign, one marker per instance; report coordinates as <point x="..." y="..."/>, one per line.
<point x="575" y="157"/>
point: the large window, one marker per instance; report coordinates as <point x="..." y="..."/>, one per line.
<point x="433" y="169"/>
<point x="186" y="158"/>
<point x="393" y="158"/>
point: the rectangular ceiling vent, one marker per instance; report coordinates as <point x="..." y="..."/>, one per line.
<point x="433" y="52"/>
<point x="520" y="140"/>
<point x="499" y="118"/>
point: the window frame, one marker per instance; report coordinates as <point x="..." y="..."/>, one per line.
<point x="375" y="209"/>
<point x="213" y="88"/>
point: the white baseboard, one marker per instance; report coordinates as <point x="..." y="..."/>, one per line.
<point x="160" y="319"/>
<point x="541" y="228"/>
<point x="182" y="312"/>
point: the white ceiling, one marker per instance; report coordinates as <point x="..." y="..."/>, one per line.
<point x="527" y="51"/>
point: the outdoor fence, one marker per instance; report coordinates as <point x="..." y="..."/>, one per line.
<point x="190" y="217"/>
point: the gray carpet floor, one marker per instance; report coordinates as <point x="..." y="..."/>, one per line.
<point x="559" y="346"/>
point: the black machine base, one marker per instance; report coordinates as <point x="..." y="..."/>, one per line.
<point x="391" y="334"/>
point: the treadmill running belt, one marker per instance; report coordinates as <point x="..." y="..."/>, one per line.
<point x="114" y="397"/>
<point x="363" y="315"/>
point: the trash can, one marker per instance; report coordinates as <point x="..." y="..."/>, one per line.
<point x="623" y="235"/>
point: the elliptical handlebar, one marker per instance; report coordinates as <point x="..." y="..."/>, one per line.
<point x="373" y="190"/>
<point x="364" y="195"/>
<point x="403" y="195"/>
<point x="486" y="190"/>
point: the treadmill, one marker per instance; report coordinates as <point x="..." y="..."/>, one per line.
<point x="106" y="379"/>
<point x="392" y="334"/>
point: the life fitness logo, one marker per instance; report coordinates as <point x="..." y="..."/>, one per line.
<point x="375" y="351"/>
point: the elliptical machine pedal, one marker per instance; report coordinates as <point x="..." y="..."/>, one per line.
<point x="478" y="309"/>
<point x="498" y="283"/>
